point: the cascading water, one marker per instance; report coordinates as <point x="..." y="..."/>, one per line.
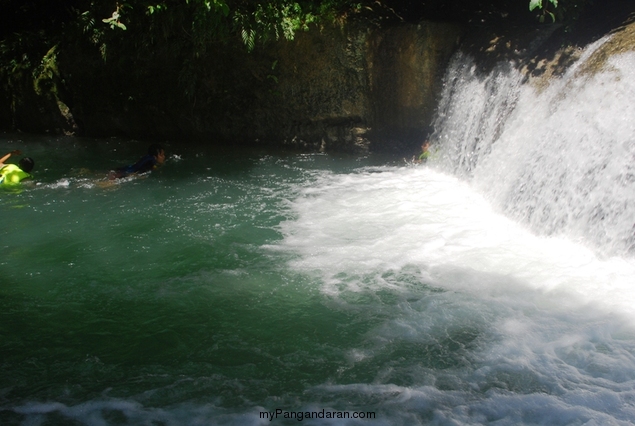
<point x="560" y="159"/>
<point x="529" y="326"/>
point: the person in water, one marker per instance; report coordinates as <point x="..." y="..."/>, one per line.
<point x="425" y="153"/>
<point x="11" y="174"/>
<point x="154" y="158"/>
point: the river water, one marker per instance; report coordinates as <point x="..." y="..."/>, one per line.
<point x="233" y="283"/>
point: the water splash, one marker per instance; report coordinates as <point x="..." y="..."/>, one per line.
<point x="559" y="160"/>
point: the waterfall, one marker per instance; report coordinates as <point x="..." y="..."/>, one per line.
<point x="559" y="159"/>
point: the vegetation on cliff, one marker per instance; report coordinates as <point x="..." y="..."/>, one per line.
<point x="136" y="35"/>
<point x="139" y="49"/>
<point x="30" y="29"/>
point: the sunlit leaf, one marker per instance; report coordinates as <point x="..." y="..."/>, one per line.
<point x="533" y="4"/>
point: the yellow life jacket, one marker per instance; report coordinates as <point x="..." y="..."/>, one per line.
<point x="11" y="174"/>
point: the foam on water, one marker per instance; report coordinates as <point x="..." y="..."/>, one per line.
<point x="505" y="296"/>
<point x="388" y="220"/>
<point x="461" y="314"/>
<point x="542" y="329"/>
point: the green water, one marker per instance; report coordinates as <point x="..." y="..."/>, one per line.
<point x="158" y="289"/>
<point x="233" y="282"/>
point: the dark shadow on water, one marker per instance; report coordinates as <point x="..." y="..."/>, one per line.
<point x="82" y="160"/>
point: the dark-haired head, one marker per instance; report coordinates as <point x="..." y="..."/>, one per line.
<point x="26" y="164"/>
<point x="154" y="149"/>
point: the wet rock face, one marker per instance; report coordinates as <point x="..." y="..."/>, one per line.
<point x="318" y="92"/>
<point x="335" y="89"/>
<point x="360" y="89"/>
<point x="406" y="69"/>
<point x="353" y="89"/>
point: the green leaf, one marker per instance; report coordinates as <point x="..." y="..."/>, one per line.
<point x="224" y="8"/>
<point x="533" y="4"/>
<point x="249" y="37"/>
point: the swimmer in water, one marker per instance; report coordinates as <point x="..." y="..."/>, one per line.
<point x="154" y="158"/>
<point x="11" y="174"/>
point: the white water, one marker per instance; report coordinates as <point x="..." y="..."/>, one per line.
<point x="389" y="219"/>
<point x="531" y="246"/>
<point x="556" y="324"/>
<point x="561" y="161"/>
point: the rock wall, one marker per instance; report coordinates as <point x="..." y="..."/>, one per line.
<point x="335" y="89"/>
<point x="358" y="89"/>
<point x="406" y="67"/>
